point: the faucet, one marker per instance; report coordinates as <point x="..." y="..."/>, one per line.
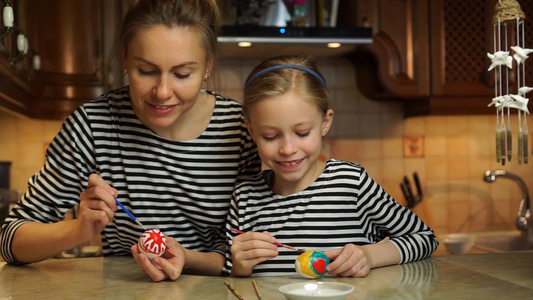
<point x="523" y="221"/>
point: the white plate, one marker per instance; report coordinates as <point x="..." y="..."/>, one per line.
<point x="316" y="290"/>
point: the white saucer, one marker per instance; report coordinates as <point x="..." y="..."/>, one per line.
<point x="316" y="290"/>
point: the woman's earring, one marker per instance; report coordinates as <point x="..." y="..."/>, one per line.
<point x="206" y="77"/>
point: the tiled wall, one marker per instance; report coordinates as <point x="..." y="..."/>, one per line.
<point x="23" y="142"/>
<point x="457" y="150"/>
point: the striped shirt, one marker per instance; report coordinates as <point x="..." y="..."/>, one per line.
<point x="182" y="188"/>
<point x="344" y="205"/>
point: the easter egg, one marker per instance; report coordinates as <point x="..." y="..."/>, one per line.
<point x="312" y="264"/>
<point x="152" y="243"/>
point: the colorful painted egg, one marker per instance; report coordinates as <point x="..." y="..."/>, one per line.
<point x="152" y="243"/>
<point x="312" y="264"/>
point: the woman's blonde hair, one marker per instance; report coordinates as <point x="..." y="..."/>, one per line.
<point x="285" y="73"/>
<point x="201" y="14"/>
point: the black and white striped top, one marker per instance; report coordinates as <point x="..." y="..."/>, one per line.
<point x="183" y="188"/>
<point x="344" y="205"/>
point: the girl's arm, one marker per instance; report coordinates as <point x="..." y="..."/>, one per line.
<point x="245" y="251"/>
<point x="357" y="261"/>
<point x="412" y="238"/>
<point x="381" y="254"/>
<point x="250" y="249"/>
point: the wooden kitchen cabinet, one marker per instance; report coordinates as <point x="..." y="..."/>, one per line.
<point x="398" y="55"/>
<point x="432" y="54"/>
<point x="73" y="39"/>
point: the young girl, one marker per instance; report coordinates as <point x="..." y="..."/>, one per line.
<point x="331" y="206"/>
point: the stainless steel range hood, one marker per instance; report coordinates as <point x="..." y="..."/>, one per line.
<point x="296" y="35"/>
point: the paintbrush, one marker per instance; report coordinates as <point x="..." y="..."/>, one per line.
<point x="129" y="213"/>
<point x="256" y="288"/>
<point x="233" y="290"/>
<point x="276" y="243"/>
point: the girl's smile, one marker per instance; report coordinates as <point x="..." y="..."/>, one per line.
<point x="288" y="131"/>
<point x="290" y="164"/>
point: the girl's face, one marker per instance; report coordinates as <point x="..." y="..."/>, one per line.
<point x="166" y="67"/>
<point x="288" y="131"/>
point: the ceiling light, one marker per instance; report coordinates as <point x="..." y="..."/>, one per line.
<point x="244" y="44"/>
<point x="334" y="45"/>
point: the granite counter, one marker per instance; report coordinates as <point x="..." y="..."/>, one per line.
<point x="471" y="276"/>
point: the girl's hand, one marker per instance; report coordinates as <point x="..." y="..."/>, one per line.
<point x="350" y="261"/>
<point x="249" y="249"/>
<point x="97" y="207"/>
<point x="168" y="266"/>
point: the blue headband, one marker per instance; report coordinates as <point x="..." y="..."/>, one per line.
<point x="254" y="77"/>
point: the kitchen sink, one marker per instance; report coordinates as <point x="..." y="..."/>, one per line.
<point x="502" y="241"/>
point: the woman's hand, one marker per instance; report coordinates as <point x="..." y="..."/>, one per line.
<point x="168" y="266"/>
<point x="249" y="249"/>
<point x="97" y="207"/>
<point x="350" y="261"/>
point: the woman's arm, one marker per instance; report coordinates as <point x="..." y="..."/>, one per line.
<point x="35" y="228"/>
<point x="200" y="263"/>
<point x="35" y="241"/>
<point x="177" y="260"/>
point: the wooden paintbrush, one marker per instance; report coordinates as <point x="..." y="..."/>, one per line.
<point x="233" y="290"/>
<point x="276" y="243"/>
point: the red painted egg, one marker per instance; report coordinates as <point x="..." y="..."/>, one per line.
<point x="152" y="243"/>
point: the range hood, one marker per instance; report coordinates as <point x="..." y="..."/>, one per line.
<point x="296" y="35"/>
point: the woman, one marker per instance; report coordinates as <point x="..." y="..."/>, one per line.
<point x="169" y="152"/>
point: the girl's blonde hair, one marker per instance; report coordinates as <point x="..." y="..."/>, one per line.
<point x="279" y="81"/>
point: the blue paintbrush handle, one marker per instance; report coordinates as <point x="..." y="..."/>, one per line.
<point x="129" y="213"/>
<point x="126" y="210"/>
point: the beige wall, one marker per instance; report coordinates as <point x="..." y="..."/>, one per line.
<point x="23" y="142"/>
<point x="458" y="149"/>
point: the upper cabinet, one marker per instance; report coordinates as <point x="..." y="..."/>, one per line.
<point x="70" y="39"/>
<point x="432" y="54"/>
<point x="397" y="63"/>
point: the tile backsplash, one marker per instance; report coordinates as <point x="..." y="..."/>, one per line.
<point x="23" y="142"/>
<point x="457" y="150"/>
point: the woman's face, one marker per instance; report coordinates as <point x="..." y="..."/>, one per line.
<point x="166" y="67"/>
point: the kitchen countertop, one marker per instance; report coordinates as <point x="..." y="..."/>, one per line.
<point x="472" y="276"/>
